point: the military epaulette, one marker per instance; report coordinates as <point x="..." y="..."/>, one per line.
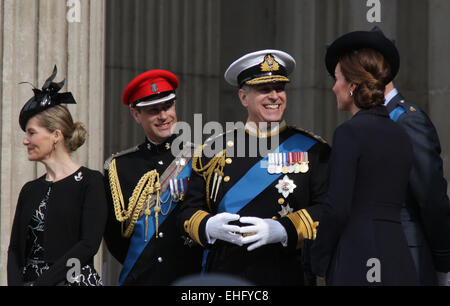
<point x="198" y="152"/>
<point x="309" y="133"/>
<point x="407" y="106"/>
<point x="121" y="153"/>
<point x="211" y="139"/>
<point x="208" y="142"/>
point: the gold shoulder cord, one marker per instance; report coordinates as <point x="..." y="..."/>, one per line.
<point x="141" y="195"/>
<point x="215" y="165"/>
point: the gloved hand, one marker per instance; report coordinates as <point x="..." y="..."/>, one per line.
<point x="217" y="227"/>
<point x="264" y="231"/>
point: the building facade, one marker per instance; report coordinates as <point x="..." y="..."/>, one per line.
<point x="100" y="45"/>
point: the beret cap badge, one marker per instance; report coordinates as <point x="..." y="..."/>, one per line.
<point x="154" y="88"/>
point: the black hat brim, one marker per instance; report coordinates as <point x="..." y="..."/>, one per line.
<point x="363" y="39"/>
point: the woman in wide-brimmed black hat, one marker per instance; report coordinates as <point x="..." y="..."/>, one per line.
<point x="360" y="240"/>
<point x="60" y="217"/>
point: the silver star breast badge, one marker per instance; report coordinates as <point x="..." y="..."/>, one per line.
<point x="286" y="186"/>
<point x="285" y="210"/>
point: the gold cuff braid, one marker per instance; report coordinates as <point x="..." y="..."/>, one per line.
<point x="306" y="227"/>
<point x="192" y="225"/>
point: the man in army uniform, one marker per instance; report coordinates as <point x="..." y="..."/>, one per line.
<point x="253" y="212"/>
<point x="145" y="185"/>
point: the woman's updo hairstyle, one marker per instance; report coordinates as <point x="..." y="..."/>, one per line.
<point x="59" y="118"/>
<point x="370" y="72"/>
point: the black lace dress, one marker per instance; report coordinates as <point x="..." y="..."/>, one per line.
<point x="35" y="265"/>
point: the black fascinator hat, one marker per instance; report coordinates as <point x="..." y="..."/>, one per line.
<point x="45" y="98"/>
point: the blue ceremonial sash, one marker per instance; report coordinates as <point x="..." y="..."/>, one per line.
<point x="138" y="243"/>
<point x="245" y="190"/>
<point x="257" y="179"/>
<point x="396" y="113"/>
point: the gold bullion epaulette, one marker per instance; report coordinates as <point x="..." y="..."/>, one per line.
<point x="121" y="153"/>
<point x="309" y="133"/>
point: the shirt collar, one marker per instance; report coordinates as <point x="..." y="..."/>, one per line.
<point x="390" y="95"/>
<point x="252" y="129"/>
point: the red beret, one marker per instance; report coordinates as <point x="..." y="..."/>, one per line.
<point x="151" y="87"/>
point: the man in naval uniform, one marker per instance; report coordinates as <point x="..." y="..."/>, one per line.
<point x="426" y="214"/>
<point x="146" y="186"/>
<point x="253" y="209"/>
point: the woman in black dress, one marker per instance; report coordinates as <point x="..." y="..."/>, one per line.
<point x="360" y="240"/>
<point x="60" y="216"/>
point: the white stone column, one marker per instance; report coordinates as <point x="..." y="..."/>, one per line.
<point x="36" y="35"/>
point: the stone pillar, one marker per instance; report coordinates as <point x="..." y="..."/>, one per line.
<point x="36" y="35"/>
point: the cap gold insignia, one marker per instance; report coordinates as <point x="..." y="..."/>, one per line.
<point x="154" y="87"/>
<point x="270" y="64"/>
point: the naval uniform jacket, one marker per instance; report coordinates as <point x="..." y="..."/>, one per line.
<point x="166" y="257"/>
<point x="426" y="217"/>
<point x="360" y="227"/>
<point x="270" y="264"/>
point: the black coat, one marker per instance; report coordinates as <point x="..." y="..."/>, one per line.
<point x="369" y="170"/>
<point x="426" y="217"/>
<point x="271" y="264"/>
<point x="166" y="258"/>
<point x="74" y="224"/>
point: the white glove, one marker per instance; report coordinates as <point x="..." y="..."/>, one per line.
<point x="217" y="227"/>
<point x="264" y="231"/>
<point x="443" y="278"/>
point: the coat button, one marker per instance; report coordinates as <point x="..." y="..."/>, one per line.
<point x="161" y="234"/>
<point x="228" y="161"/>
<point x="226" y="179"/>
<point x="160" y="259"/>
